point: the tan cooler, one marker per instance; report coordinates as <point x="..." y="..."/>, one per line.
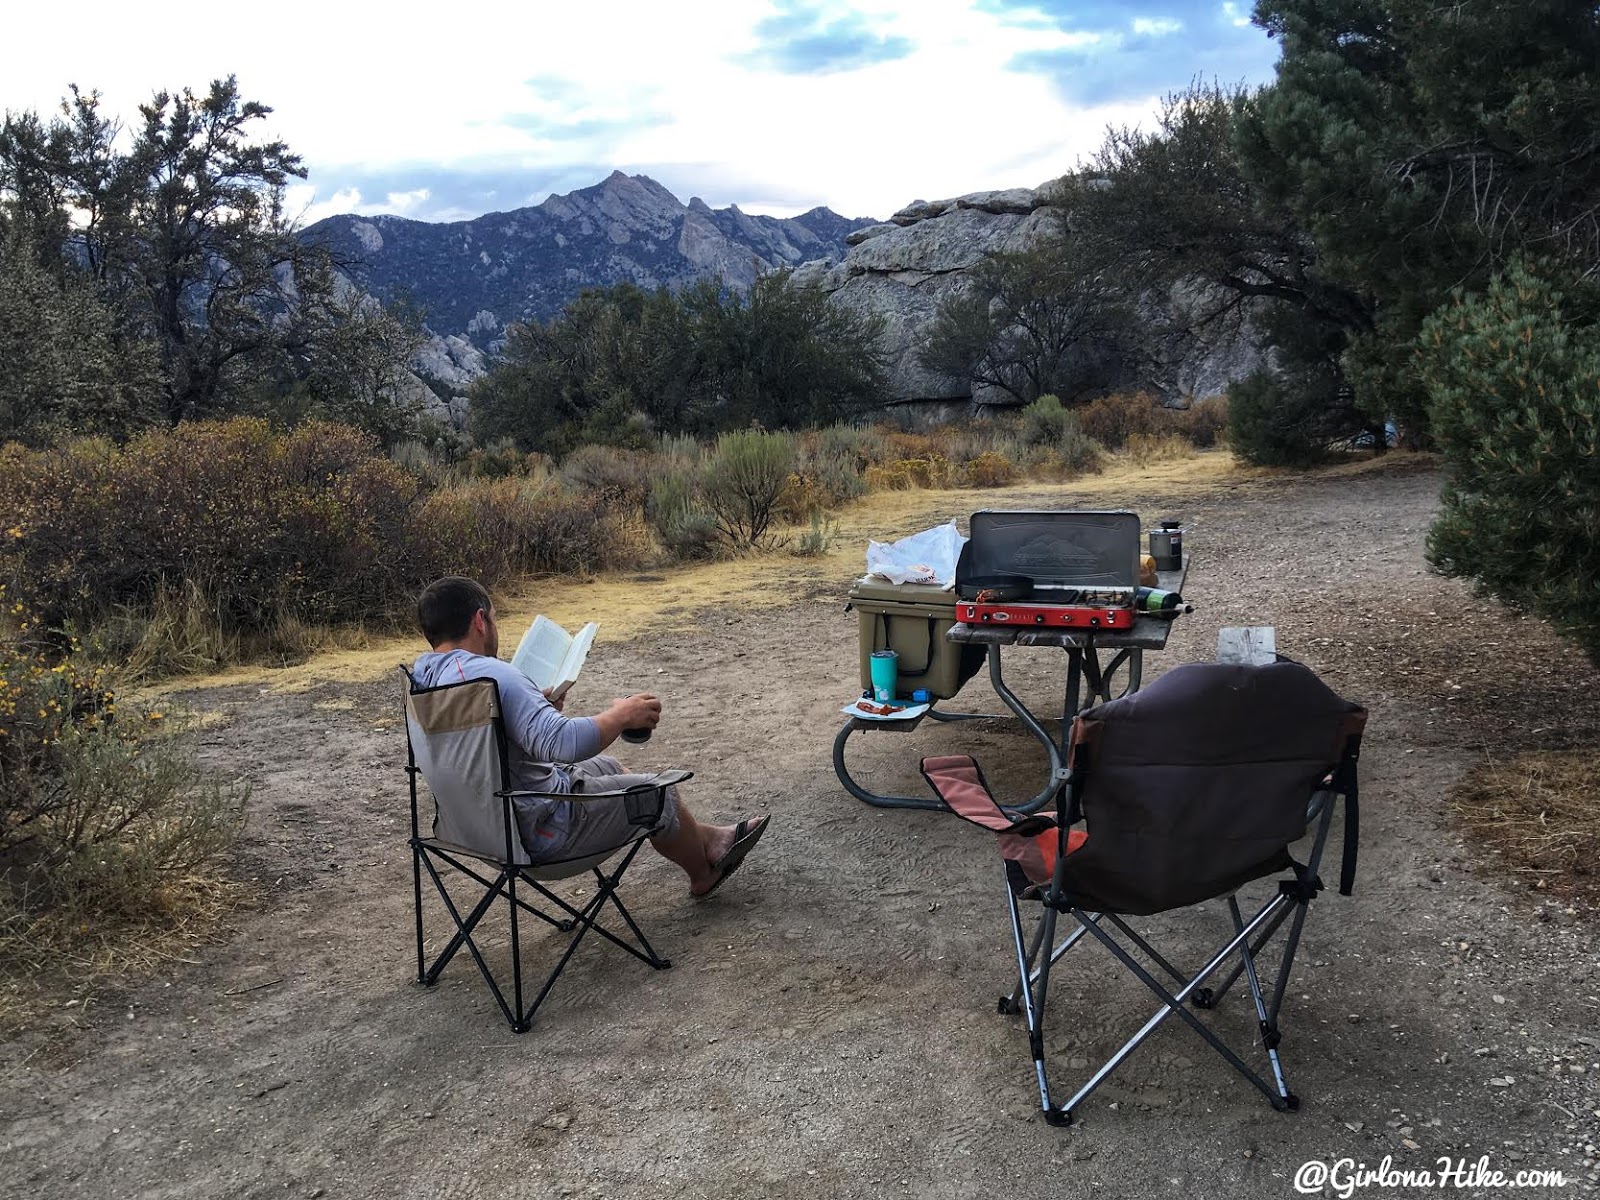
<point x="911" y="619"/>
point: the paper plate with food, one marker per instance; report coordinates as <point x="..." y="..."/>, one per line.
<point x="895" y="710"/>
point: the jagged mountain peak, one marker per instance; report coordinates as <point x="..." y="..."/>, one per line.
<point x="475" y="278"/>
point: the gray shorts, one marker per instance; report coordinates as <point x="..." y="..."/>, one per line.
<point x="602" y="825"/>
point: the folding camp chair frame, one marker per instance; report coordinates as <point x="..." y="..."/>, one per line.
<point x="1291" y="900"/>
<point x="499" y="877"/>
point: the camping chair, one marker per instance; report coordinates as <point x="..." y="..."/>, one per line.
<point x="1186" y="790"/>
<point x="456" y="741"/>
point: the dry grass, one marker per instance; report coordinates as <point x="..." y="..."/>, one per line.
<point x="54" y="970"/>
<point x="1146" y="448"/>
<point x="1538" y="810"/>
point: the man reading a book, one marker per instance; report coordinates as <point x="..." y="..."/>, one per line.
<point x="549" y="751"/>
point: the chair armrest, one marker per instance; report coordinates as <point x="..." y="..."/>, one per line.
<point x="643" y="802"/>
<point x="661" y="779"/>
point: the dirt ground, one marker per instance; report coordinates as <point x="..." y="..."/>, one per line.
<point x="829" y="1026"/>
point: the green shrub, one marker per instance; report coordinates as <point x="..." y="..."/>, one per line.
<point x="500" y="459"/>
<point x="838" y="481"/>
<point x="743" y="478"/>
<point x="858" y="445"/>
<point x="800" y="499"/>
<point x="1044" y="422"/>
<point x="819" y="539"/>
<point x="611" y="474"/>
<point x="678" y="517"/>
<point x="1001" y="434"/>
<point x="1081" y="456"/>
<point x="681" y="451"/>
<point x="101" y="826"/>
<point x="834" y="461"/>
<point x="261" y="523"/>
<point x="187" y="540"/>
<point x="1513" y="378"/>
<point x="1280" y="420"/>
<point x="424" y="461"/>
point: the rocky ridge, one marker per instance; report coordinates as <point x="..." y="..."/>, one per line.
<point x="475" y="278"/>
<point x="904" y="268"/>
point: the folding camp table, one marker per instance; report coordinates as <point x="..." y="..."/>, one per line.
<point x="1084" y="647"/>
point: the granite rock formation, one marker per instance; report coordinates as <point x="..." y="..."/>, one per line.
<point x="903" y="268"/>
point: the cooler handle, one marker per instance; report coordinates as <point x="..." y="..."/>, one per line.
<point x="927" y="659"/>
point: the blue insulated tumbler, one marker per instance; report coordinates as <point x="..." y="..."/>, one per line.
<point x="885" y="667"/>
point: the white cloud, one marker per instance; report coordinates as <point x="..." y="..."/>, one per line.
<point x="301" y="203"/>
<point x="538" y="88"/>
<point x="1157" y="26"/>
<point x="404" y="203"/>
<point x="1235" y="14"/>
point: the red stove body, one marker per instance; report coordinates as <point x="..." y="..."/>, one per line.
<point x="1049" y="616"/>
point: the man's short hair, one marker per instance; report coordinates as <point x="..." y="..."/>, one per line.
<point x="446" y="608"/>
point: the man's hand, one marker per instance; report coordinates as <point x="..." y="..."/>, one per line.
<point x="556" y="702"/>
<point x="642" y="711"/>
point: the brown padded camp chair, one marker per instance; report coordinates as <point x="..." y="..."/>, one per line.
<point x="455" y="740"/>
<point x="1185" y="791"/>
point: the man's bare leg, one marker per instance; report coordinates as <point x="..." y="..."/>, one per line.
<point x="694" y="846"/>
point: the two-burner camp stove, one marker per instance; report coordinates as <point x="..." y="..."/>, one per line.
<point x="1054" y="570"/>
<point x="1049" y="615"/>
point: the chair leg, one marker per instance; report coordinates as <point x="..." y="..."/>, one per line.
<point x="649" y="956"/>
<point x="1012" y="1004"/>
<point x="606" y="890"/>
<point x="416" y="891"/>
<point x="1266" y="1022"/>
<point x="518" y="1014"/>
<point x="1173" y="1003"/>
<point x="587" y="919"/>
<point x="1032" y="1001"/>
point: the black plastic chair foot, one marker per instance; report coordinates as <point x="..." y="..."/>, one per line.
<point x="566" y="926"/>
<point x="1203" y="998"/>
<point x="662" y="964"/>
<point x="1292" y="1103"/>
<point x="1007" y="1007"/>
<point x="1059" y="1117"/>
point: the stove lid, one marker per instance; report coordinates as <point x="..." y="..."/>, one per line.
<point x="1054" y="548"/>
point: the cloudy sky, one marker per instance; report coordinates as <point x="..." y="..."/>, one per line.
<point x="774" y="105"/>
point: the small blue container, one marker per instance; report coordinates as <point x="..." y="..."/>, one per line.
<point x="921" y="696"/>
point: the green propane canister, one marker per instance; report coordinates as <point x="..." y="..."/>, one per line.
<point x="1154" y="600"/>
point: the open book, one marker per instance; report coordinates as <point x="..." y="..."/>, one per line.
<point x="552" y="657"/>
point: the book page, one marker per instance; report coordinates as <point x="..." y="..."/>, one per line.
<point x="540" y="653"/>
<point x="572" y="663"/>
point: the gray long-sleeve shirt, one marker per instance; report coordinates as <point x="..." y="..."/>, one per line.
<point x="539" y="739"/>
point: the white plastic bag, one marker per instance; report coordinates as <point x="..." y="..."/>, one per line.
<point x="928" y="557"/>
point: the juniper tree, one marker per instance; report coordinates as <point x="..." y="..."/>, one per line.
<point x="1513" y="380"/>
